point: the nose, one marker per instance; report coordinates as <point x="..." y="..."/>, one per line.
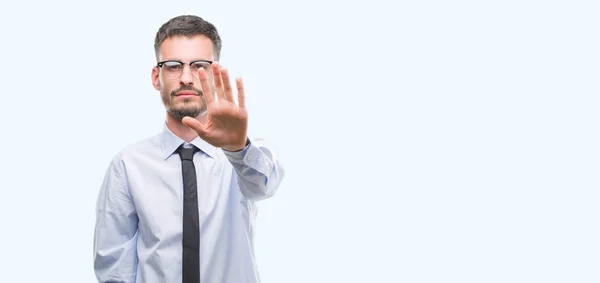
<point x="187" y="77"/>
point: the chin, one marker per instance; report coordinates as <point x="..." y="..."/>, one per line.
<point x="179" y="112"/>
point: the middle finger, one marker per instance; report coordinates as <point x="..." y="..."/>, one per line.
<point x="218" y="81"/>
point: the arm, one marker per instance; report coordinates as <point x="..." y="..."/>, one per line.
<point x="115" y="232"/>
<point x="259" y="171"/>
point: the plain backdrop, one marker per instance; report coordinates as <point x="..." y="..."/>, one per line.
<point x="423" y="141"/>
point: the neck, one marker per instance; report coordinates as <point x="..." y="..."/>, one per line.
<point x="182" y="131"/>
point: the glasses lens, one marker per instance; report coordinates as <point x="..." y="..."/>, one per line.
<point x="172" y="69"/>
<point x="196" y="66"/>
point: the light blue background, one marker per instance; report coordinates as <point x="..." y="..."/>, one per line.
<point x="424" y="141"/>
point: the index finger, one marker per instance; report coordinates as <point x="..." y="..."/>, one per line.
<point x="207" y="91"/>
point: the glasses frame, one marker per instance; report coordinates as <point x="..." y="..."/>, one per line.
<point x="162" y="63"/>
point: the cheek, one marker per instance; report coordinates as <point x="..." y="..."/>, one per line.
<point x="166" y="86"/>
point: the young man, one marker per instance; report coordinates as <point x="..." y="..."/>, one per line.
<point x="179" y="206"/>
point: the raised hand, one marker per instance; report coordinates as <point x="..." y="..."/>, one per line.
<point x="226" y="122"/>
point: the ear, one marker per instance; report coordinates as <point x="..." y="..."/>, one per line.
<point x="155" y="78"/>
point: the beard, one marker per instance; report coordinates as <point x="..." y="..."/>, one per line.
<point x="190" y="106"/>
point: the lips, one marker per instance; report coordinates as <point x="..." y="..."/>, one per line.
<point x="187" y="93"/>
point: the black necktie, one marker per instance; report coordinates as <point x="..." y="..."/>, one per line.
<point x="191" y="230"/>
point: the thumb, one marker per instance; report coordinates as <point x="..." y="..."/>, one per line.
<point x="194" y="125"/>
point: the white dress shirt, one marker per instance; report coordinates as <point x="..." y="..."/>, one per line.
<point x="138" y="229"/>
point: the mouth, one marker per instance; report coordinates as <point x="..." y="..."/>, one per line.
<point x="187" y="93"/>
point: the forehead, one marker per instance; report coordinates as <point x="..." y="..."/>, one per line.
<point x="186" y="48"/>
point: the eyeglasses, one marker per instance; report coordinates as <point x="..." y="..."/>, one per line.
<point x="173" y="69"/>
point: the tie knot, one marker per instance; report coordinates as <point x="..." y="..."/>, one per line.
<point x="186" y="153"/>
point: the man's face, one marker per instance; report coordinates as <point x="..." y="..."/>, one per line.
<point x="179" y="86"/>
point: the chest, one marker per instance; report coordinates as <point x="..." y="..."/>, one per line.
<point x="157" y="190"/>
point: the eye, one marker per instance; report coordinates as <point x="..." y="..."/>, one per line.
<point x="201" y="64"/>
<point x="172" y="66"/>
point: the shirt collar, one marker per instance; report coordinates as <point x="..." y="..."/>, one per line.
<point x="170" y="142"/>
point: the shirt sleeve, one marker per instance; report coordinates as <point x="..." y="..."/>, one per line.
<point x="115" y="232"/>
<point x="259" y="171"/>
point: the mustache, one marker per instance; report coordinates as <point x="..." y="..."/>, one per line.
<point x="197" y="91"/>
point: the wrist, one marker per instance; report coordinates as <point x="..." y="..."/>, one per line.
<point x="238" y="148"/>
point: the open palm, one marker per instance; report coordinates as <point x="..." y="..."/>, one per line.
<point x="226" y="122"/>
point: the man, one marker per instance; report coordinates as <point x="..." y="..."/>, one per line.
<point x="179" y="206"/>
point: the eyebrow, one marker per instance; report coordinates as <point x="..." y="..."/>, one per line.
<point x="177" y="59"/>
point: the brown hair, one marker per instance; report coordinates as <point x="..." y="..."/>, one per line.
<point x="188" y="25"/>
